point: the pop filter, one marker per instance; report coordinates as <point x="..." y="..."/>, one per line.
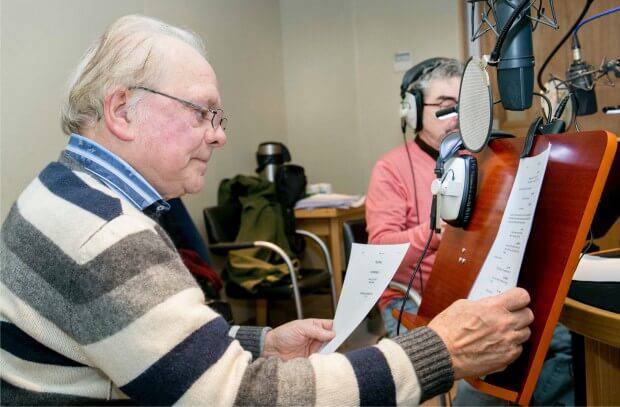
<point x="475" y="109"/>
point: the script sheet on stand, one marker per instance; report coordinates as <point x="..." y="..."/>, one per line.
<point x="500" y="270"/>
<point x="370" y="269"/>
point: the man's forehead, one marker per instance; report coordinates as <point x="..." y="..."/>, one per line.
<point x="187" y="63"/>
<point x="190" y="73"/>
<point x="448" y="87"/>
<point x="204" y="94"/>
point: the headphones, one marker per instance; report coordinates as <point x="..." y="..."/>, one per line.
<point x="412" y="100"/>
<point x="454" y="190"/>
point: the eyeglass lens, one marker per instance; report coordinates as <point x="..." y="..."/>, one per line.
<point x="218" y="119"/>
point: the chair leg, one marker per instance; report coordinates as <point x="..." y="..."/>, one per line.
<point x="261" y="312"/>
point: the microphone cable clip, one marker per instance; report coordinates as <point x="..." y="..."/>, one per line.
<point x="534" y="130"/>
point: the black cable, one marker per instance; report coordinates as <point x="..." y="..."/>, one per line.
<point x="562" y="41"/>
<point x="575" y="109"/>
<point x="549" y="107"/>
<point x="421" y="285"/>
<point x="561" y="107"/>
<point x="415" y="271"/>
<point x="415" y="190"/>
<point x="590" y="241"/>
<point x="573" y="116"/>
<point x="495" y="54"/>
<point x="415" y="194"/>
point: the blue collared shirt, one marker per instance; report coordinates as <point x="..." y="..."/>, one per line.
<point x="115" y="173"/>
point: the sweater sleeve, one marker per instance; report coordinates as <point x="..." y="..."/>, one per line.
<point x="160" y="344"/>
<point x="251" y="338"/>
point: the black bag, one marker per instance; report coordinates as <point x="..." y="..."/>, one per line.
<point x="291" y="187"/>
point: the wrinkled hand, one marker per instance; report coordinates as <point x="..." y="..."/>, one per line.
<point x="485" y="336"/>
<point x="299" y="338"/>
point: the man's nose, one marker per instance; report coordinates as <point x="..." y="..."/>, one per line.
<point x="216" y="137"/>
<point x="452" y="121"/>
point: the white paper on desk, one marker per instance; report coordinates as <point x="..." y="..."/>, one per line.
<point x="500" y="270"/>
<point x="370" y="269"/>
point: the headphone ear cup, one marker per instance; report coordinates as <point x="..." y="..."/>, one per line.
<point x="409" y="110"/>
<point x="405" y="106"/>
<point x="419" y="105"/>
<point x="469" y="193"/>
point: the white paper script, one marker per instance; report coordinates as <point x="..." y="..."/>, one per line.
<point x="370" y="269"/>
<point x="500" y="270"/>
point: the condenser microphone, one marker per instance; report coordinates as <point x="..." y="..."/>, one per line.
<point x="515" y="66"/>
<point x="581" y="83"/>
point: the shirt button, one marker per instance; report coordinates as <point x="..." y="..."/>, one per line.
<point x="160" y="208"/>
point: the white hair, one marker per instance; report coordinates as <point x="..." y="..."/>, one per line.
<point x="448" y="68"/>
<point x="125" y="55"/>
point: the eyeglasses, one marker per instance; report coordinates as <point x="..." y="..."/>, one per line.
<point x="216" y="116"/>
<point x="443" y="104"/>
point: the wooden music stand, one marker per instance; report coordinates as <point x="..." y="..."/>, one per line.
<point x="576" y="174"/>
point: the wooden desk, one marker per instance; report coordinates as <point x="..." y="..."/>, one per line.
<point x="327" y="223"/>
<point x="601" y="331"/>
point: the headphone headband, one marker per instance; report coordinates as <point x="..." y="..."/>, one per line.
<point x="412" y="100"/>
<point x="417" y="71"/>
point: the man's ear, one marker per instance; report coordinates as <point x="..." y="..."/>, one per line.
<point x="115" y="114"/>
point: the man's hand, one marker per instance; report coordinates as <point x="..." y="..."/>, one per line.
<point x="485" y="336"/>
<point x="299" y="338"/>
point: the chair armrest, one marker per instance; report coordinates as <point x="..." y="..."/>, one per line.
<point x="224" y="248"/>
<point x="326" y="257"/>
<point x="413" y="294"/>
<point x="291" y="269"/>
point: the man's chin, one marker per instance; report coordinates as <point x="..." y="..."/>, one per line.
<point x="195" y="186"/>
<point x="448" y="132"/>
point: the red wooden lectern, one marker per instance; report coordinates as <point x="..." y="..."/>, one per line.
<point x="576" y="173"/>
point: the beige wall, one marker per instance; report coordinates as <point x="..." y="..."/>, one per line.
<point x="341" y="91"/>
<point x="43" y="40"/>
<point x="316" y="75"/>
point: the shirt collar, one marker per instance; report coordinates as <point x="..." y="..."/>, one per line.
<point x="426" y="148"/>
<point x="114" y="172"/>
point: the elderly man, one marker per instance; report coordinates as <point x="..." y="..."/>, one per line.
<point x="97" y="306"/>
<point x="399" y="197"/>
<point x="398" y="211"/>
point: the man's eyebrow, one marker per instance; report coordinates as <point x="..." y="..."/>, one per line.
<point x="213" y="102"/>
<point x="444" y="97"/>
<point x="210" y="102"/>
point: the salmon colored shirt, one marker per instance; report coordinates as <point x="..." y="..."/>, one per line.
<point x="397" y="214"/>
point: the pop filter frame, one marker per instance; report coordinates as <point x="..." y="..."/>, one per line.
<point x="475" y="108"/>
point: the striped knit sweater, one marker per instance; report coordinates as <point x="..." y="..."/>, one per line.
<point x="97" y="306"/>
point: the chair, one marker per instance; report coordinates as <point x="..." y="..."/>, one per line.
<point x="184" y="234"/>
<point x="222" y="226"/>
<point x="354" y="231"/>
